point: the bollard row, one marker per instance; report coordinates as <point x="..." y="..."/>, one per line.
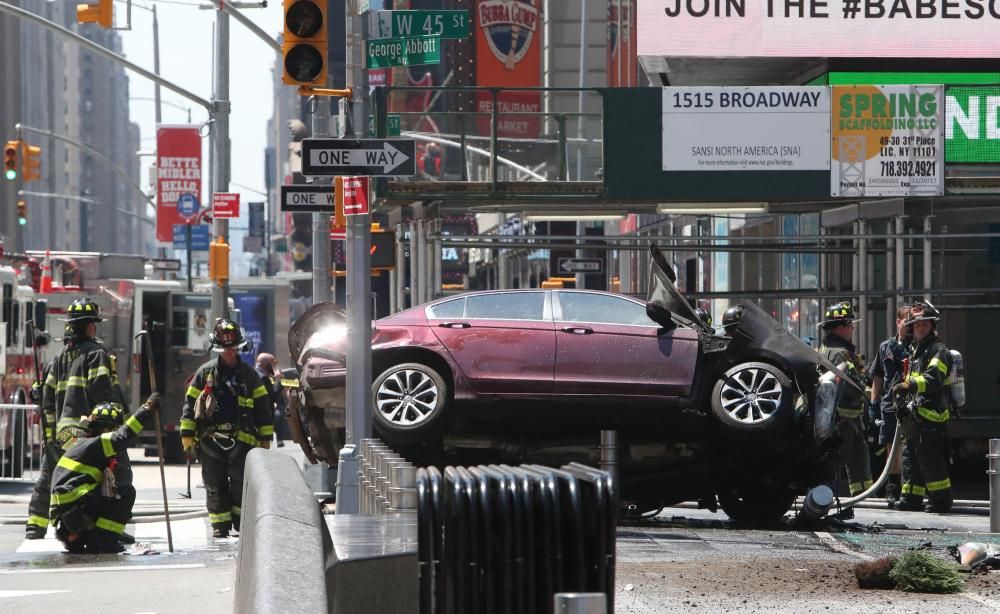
<point x="388" y="481"/>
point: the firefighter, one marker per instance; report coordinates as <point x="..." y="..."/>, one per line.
<point x="267" y="369"/>
<point x="81" y="376"/>
<point x="837" y="347"/>
<point x="925" y="457"/>
<point x="92" y="492"/>
<point x="227" y="413"/>
<point x="887" y="371"/>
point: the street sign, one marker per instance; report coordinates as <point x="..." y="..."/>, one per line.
<point x="199" y="237"/>
<point x="256" y="225"/>
<point x="581" y="265"/>
<point x="188" y="206"/>
<point x="446" y="24"/>
<point x="307" y="198"/>
<point x="394" y="126"/>
<point x="407" y="51"/>
<point x="368" y="157"/>
<point x="226" y="205"/>
<point x="166" y="264"/>
<point x="355" y="195"/>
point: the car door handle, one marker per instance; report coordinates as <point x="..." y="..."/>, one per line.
<point x="578" y="330"/>
<point x="454" y="325"/>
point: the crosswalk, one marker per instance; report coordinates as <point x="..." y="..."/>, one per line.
<point x="150" y="537"/>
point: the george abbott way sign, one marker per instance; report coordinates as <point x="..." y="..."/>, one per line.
<point x="365" y="157"/>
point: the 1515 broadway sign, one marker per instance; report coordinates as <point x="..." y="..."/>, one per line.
<point x="746" y="128"/>
<point x="887" y="141"/>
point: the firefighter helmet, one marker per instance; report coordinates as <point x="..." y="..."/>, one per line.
<point x="227" y="334"/>
<point x="83" y="310"/>
<point x="106" y="416"/>
<point x="732" y="316"/>
<point x="704" y="316"/>
<point x="923" y="310"/>
<point x="840" y="313"/>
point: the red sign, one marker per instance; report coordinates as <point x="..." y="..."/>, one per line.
<point x="178" y="170"/>
<point x="509" y="54"/>
<point x="337" y="233"/>
<point x="355" y="195"/>
<point x="225" y="205"/>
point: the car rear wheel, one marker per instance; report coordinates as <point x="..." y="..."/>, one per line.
<point x="752" y="397"/>
<point x="409" y="401"/>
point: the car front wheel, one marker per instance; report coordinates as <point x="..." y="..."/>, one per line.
<point x="409" y="401"/>
<point x="752" y="397"/>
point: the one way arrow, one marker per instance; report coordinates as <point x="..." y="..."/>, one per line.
<point x="387" y="157"/>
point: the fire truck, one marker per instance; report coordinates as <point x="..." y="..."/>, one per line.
<point x="20" y="430"/>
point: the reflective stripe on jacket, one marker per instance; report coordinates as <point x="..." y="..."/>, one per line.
<point x="255" y="418"/>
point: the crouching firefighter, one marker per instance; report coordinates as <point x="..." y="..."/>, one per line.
<point x="92" y="492"/>
<point x="837" y="347"/>
<point x="227" y="412"/>
<point x="926" y="455"/>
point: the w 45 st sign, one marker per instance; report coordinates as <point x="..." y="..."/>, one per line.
<point x="393" y="24"/>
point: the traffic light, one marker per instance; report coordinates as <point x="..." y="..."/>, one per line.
<point x="31" y="162"/>
<point x="102" y="13"/>
<point x="218" y="260"/>
<point x="10" y="165"/>
<point x="304" y="44"/>
<point x="22" y="212"/>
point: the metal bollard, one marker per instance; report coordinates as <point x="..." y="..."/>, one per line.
<point x="580" y="603"/>
<point x="609" y="453"/>
<point x="993" y="464"/>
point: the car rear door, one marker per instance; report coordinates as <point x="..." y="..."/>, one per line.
<point x="504" y="342"/>
<point x="606" y="345"/>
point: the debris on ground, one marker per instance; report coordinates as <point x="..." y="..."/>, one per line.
<point x="920" y="572"/>
<point x="876" y="574"/>
<point x="977" y="554"/>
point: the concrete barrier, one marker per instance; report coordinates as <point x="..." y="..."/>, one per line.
<point x="281" y="562"/>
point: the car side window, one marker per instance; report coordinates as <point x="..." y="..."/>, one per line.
<point x="506" y="306"/>
<point x="448" y="309"/>
<point x="585" y="307"/>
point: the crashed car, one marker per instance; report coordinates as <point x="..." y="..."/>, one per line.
<point x="535" y="375"/>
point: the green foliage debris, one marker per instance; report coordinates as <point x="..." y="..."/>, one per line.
<point x="920" y="572"/>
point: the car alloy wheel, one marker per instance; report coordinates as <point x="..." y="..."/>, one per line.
<point x="408" y="397"/>
<point x="751" y="396"/>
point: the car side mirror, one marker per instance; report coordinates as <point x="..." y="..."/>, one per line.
<point x="660" y="315"/>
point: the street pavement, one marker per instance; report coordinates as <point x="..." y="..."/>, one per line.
<point x="683" y="559"/>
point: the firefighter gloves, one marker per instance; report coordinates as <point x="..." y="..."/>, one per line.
<point x="187" y="442"/>
<point x="901" y="388"/>
<point x="153" y="402"/>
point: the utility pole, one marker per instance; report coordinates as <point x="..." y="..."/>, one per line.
<point x="220" y="149"/>
<point x="321" y="259"/>
<point x="359" y="305"/>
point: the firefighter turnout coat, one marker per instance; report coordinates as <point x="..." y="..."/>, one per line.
<point x="205" y="410"/>
<point x="850" y="407"/>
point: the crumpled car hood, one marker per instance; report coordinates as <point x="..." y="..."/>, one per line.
<point x="322" y="326"/>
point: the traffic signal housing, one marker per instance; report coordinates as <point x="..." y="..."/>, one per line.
<point x="31" y="162"/>
<point x="218" y="261"/>
<point x="11" y="151"/>
<point x="22" y="212"/>
<point x="304" y="45"/>
<point x="101" y="12"/>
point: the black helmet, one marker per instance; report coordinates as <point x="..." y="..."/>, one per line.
<point x="83" y="310"/>
<point x="923" y="310"/>
<point x="840" y="313"/>
<point x="227" y="334"/>
<point x="106" y="416"/>
<point x="704" y="316"/>
<point x="732" y="316"/>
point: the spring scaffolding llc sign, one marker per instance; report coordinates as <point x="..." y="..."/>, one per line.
<point x="888" y="140"/>
<point x="746" y="128"/>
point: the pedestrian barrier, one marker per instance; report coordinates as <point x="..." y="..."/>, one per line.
<point x="496" y="539"/>
<point x="20" y="442"/>
<point x="388" y="481"/>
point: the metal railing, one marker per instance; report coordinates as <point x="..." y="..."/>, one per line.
<point x="388" y="481"/>
<point x="20" y="443"/>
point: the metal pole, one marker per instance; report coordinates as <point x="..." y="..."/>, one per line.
<point x="436" y="259"/>
<point x="863" y="287"/>
<point x="927" y="258"/>
<point x="399" y="279"/>
<point x="359" y="315"/>
<point x="899" y="245"/>
<point x="156" y="68"/>
<point x="414" y="263"/>
<point x="579" y="603"/>
<point x="187" y="232"/>
<point x="220" y="149"/>
<point x="321" y="259"/>
<point x="993" y="464"/>
<point x="609" y="453"/>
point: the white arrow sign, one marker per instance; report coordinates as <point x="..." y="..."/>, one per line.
<point x="576" y="265"/>
<point x="358" y="157"/>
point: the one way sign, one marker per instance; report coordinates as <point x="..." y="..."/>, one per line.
<point x="366" y="157"/>
<point x="581" y="265"/>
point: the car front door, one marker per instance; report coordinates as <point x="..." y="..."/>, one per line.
<point x="504" y="342"/>
<point x="606" y="345"/>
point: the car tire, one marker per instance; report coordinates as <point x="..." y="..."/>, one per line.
<point x="409" y="402"/>
<point x="755" y="506"/>
<point x="752" y="398"/>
